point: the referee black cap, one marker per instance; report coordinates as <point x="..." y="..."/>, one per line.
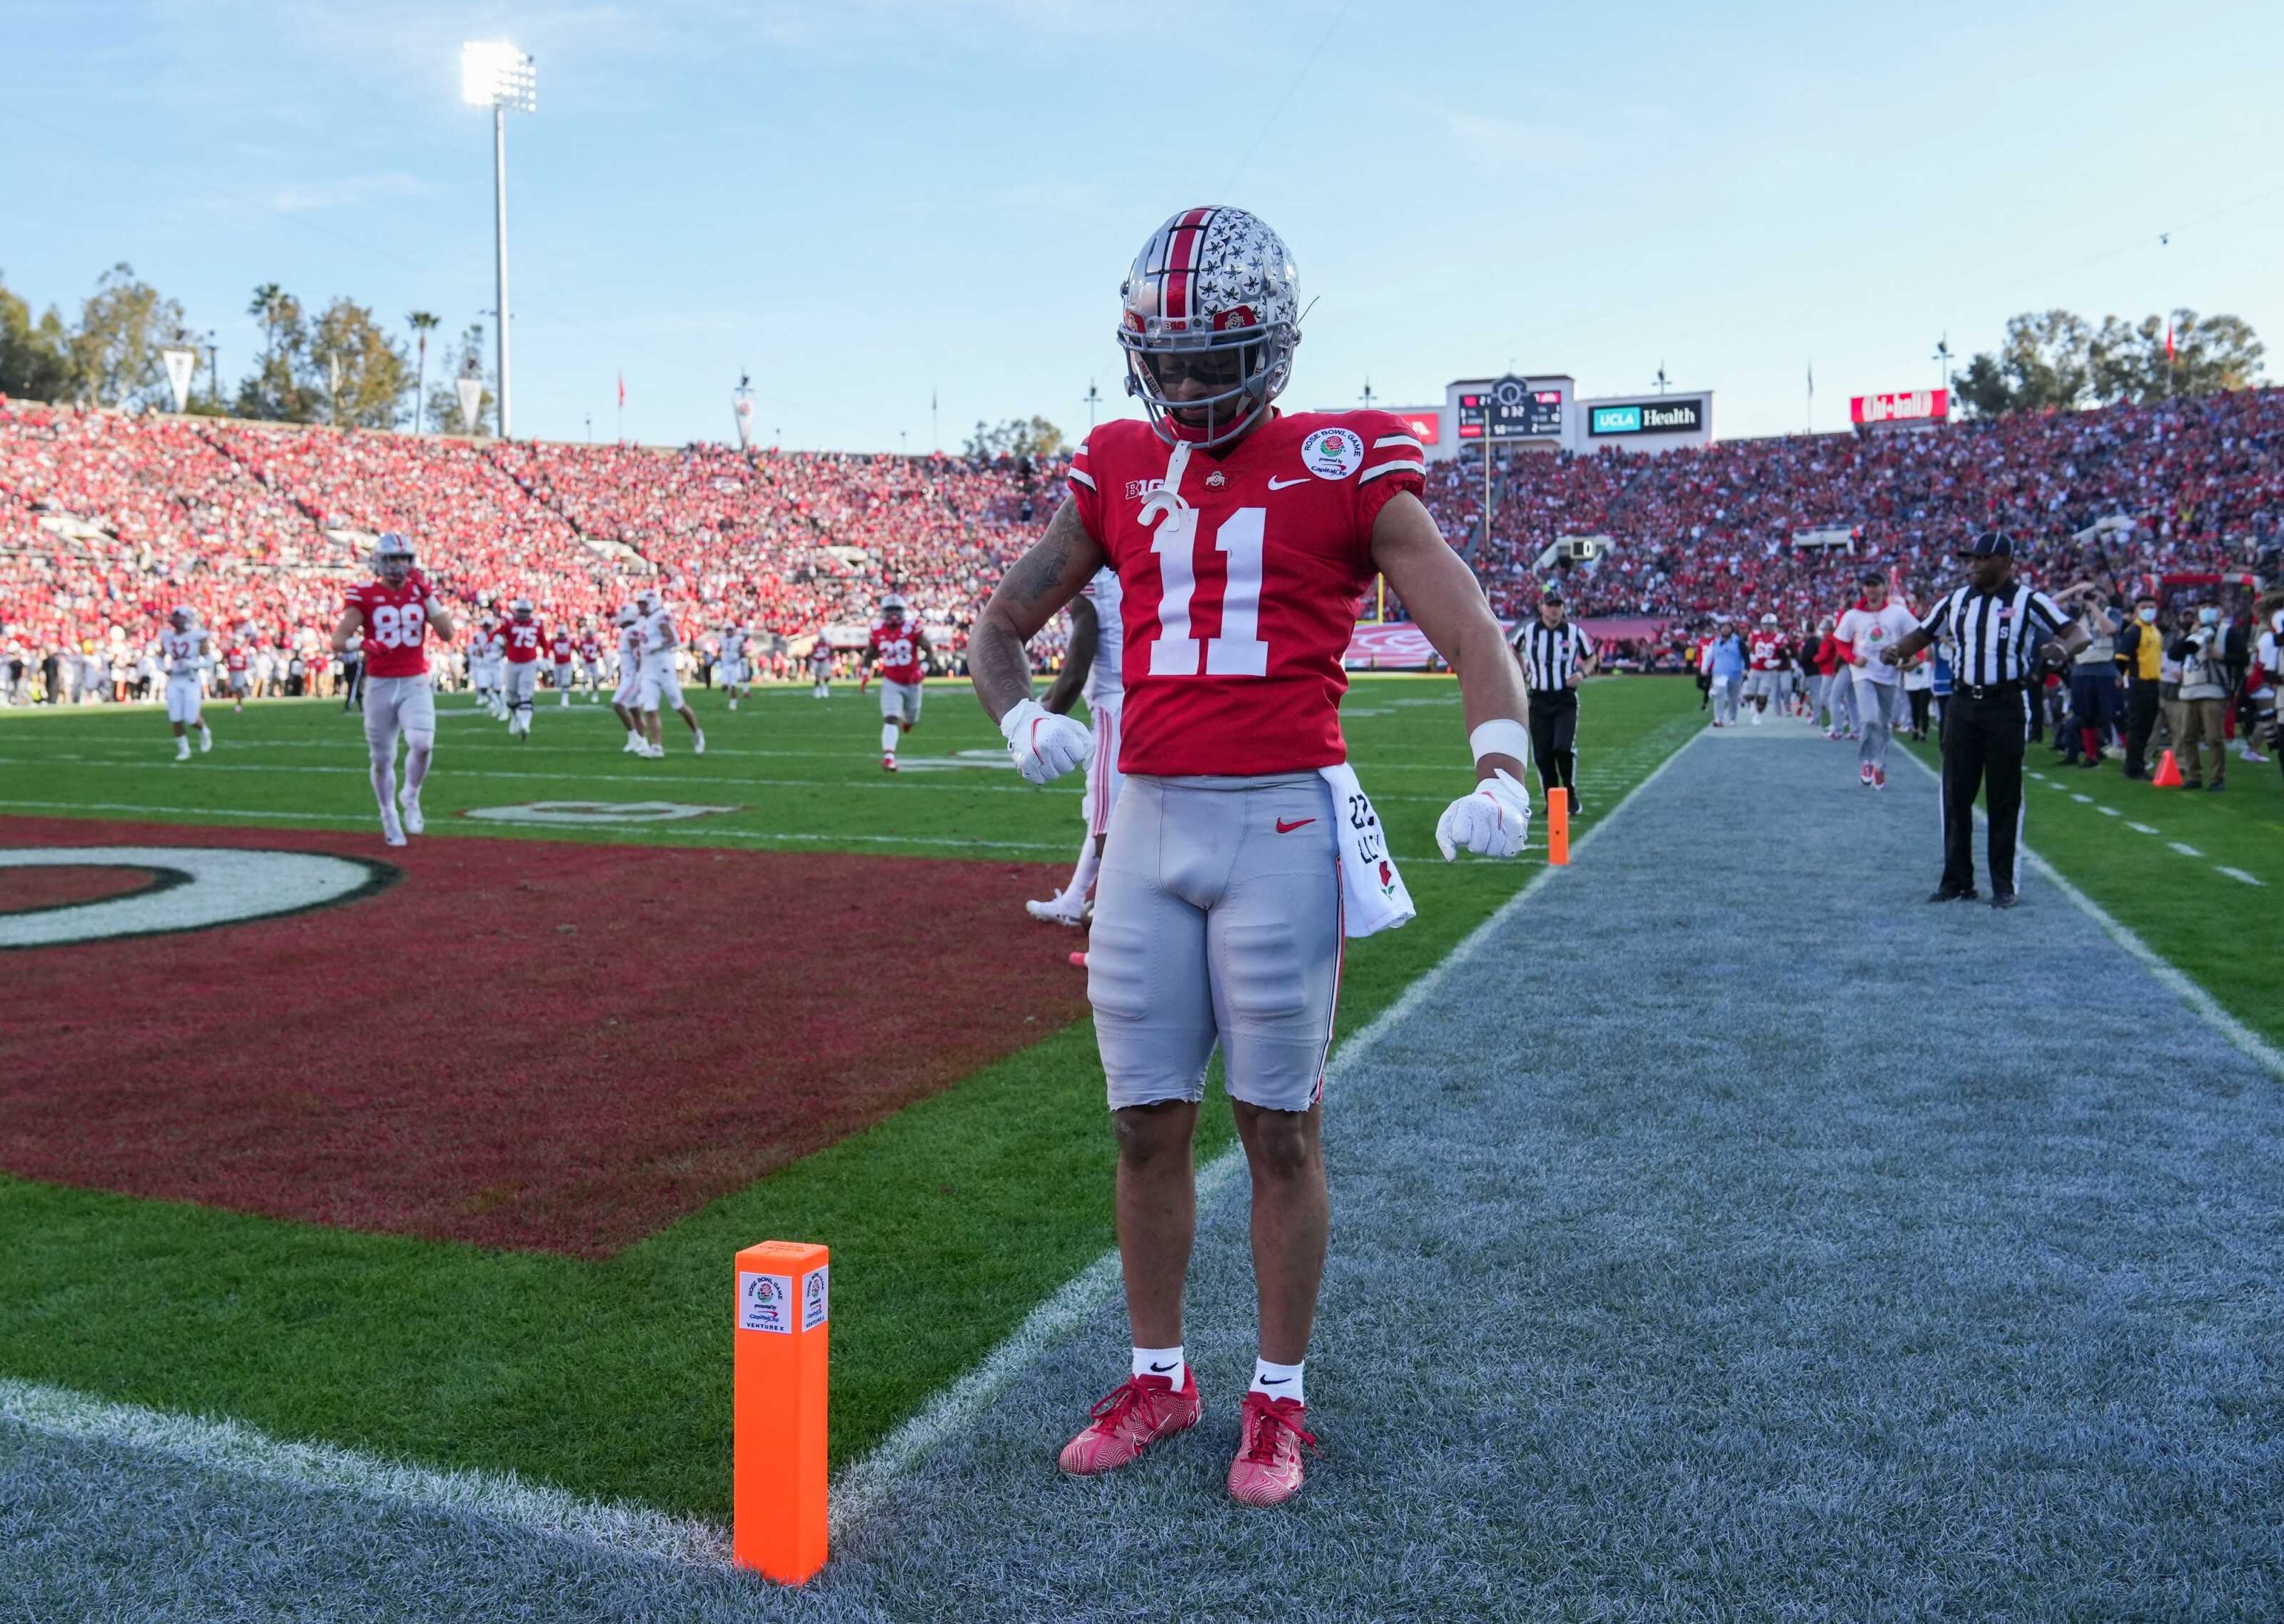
<point x="1551" y="595"/>
<point x="1989" y="544"/>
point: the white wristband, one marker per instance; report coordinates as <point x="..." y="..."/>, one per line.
<point x="1501" y="735"/>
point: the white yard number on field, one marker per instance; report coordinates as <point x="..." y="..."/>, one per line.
<point x="394" y="628"/>
<point x="1239" y="651"/>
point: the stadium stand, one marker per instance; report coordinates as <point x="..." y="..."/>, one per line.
<point x="108" y="520"/>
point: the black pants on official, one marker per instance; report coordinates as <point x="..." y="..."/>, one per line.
<point x="1553" y="741"/>
<point x="2140" y="723"/>
<point x="1983" y="733"/>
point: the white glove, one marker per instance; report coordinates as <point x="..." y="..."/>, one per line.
<point x="1044" y="745"/>
<point x="1492" y="821"/>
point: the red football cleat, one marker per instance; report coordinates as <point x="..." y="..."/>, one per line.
<point x="1128" y="1421"/>
<point x="888" y="763"/>
<point x="1267" y="1470"/>
<point x="1864" y="774"/>
<point x="1879" y="778"/>
<point x="1078" y="961"/>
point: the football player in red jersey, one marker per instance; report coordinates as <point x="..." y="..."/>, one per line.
<point x="1241" y="850"/>
<point x="564" y="654"/>
<point x="521" y="641"/>
<point x="236" y="659"/>
<point x="897" y="644"/>
<point x="395" y="611"/>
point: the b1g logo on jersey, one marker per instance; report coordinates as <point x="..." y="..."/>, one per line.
<point x="1333" y="452"/>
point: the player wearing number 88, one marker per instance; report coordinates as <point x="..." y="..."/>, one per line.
<point x="1242" y="850"/>
<point x="395" y="611"/>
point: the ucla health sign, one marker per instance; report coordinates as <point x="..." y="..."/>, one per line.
<point x="1662" y="416"/>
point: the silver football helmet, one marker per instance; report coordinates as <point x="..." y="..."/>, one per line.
<point x="1212" y="300"/>
<point x="392" y="557"/>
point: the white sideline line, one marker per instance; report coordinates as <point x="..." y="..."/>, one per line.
<point x="2195" y="997"/>
<point x="245" y="1451"/>
<point x="863" y="1483"/>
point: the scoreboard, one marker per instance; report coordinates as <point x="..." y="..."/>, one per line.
<point x="1512" y="408"/>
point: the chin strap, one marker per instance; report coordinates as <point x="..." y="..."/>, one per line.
<point x="1166" y="497"/>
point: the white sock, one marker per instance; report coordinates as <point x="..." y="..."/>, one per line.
<point x="887" y="738"/>
<point x="1083" y="877"/>
<point x="384" y="785"/>
<point x="1163" y="1361"/>
<point x="1279" y="1381"/>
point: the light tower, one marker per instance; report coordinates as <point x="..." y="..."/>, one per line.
<point x="496" y="74"/>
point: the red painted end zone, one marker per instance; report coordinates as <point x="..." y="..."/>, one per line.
<point x="559" y="1047"/>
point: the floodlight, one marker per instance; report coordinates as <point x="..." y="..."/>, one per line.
<point x="494" y="74"/>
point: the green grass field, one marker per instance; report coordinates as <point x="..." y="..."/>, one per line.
<point x="2198" y="876"/>
<point x="948" y="1223"/>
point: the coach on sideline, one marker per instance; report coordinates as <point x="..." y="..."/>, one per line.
<point x="1555" y="656"/>
<point x="1988" y="721"/>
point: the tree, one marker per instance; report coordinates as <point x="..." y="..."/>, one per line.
<point x="123" y="327"/>
<point x="35" y="356"/>
<point x="2207" y="354"/>
<point x="288" y="386"/>
<point x="2045" y="362"/>
<point x="359" y="368"/>
<point x="1016" y="438"/>
<point x="467" y="360"/>
<point x="422" y="322"/>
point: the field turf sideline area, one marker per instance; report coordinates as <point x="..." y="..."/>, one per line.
<point x="453" y="1172"/>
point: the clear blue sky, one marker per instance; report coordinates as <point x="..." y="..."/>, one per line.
<point x="863" y="201"/>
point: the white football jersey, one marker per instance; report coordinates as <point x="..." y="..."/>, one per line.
<point x="658" y="633"/>
<point x="180" y="650"/>
<point x="1105" y="678"/>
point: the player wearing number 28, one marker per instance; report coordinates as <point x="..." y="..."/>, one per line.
<point x="1243" y="849"/>
<point x="395" y="611"/>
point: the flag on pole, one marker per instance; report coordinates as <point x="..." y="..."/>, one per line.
<point x="1812" y="378"/>
<point x="622" y="391"/>
<point x="2169" y="339"/>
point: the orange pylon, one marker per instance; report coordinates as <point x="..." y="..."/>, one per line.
<point x="2169" y="774"/>
<point x="1558" y="826"/>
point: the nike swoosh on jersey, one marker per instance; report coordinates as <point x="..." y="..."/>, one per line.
<point x="1285" y="828"/>
<point x="1276" y="484"/>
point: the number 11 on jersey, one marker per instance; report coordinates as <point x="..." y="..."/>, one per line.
<point x="1239" y="651"/>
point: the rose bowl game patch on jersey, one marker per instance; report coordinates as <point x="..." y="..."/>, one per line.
<point x="1333" y="452"/>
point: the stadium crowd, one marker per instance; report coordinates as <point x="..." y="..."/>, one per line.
<point x="108" y="520"/>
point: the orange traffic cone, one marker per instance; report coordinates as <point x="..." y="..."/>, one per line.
<point x="2169" y="774"/>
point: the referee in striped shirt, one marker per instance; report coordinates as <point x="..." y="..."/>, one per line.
<point x="2002" y="632"/>
<point x="1555" y="656"/>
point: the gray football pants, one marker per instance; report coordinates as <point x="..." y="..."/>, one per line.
<point x="1877" y="706"/>
<point x="1217" y="921"/>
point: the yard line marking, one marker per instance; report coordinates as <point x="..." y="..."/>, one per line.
<point x="2141" y="829"/>
<point x="2185" y="851"/>
<point x="2082" y="800"/>
<point x="372" y="820"/>
<point x="2240" y="874"/>
<point x="233" y="1446"/>
<point x="2195" y="997"/>
<point x="862" y="1484"/>
<point x="2110" y="812"/>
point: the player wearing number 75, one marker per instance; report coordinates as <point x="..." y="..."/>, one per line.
<point x="395" y="610"/>
<point x="1242" y="848"/>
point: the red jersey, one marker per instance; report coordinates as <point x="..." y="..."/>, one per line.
<point x="897" y="649"/>
<point x="234" y="661"/>
<point x="395" y="623"/>
<point x="590" y="648"/>
<point x="1240" y="602"/>
<point x="562" y="651"/>
<point x="1765" y="650"/>
<point x="524" y="640"/>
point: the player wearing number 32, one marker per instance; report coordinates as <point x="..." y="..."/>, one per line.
<point x="1242" y="850"/>
<point x="395" y="611"/>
